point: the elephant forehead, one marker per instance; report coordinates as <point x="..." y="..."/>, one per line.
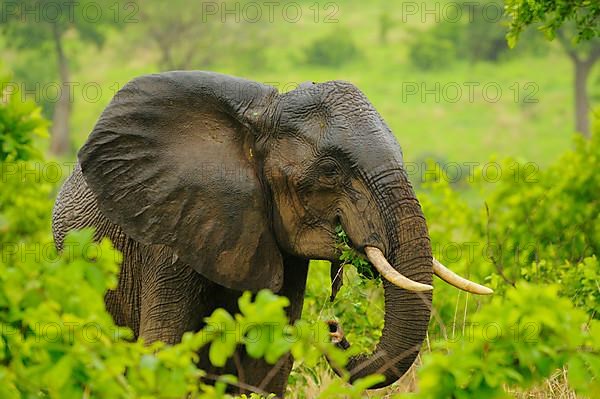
<point x="290" y="156"/>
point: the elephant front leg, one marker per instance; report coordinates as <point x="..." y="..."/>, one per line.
<point x="257" y="372"/>
<point x="173" y="298"/>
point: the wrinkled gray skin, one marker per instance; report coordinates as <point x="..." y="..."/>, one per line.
<point x="210" y="185"/>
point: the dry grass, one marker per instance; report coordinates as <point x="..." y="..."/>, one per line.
<point x="555" y="387"/>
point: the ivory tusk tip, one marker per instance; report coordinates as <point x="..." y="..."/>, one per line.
<point x="378" y="260"/>
<point x="486" y="291"/>
<point x="427" y="287"/>
<point x="459" y="282"/>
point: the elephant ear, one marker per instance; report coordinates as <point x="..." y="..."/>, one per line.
<point x="171" y="161"/>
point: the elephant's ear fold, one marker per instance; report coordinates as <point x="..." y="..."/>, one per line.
<point x="172" y="161"/>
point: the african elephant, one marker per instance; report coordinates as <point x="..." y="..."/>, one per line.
<point x="211" y="185"/>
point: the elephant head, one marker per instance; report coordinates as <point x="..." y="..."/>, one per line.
<point x="232" y="176"/>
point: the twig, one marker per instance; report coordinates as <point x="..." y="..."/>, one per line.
<point x="242" y="385"/>
<point x="455" y="313"/>
<point x="498" y="265"/>
<point x="239" y="368"/>
<point x="265" y="381"/>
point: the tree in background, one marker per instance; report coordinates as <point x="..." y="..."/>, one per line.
<point x="576" y="24"/>
<point x="475" y="34"/>
<point x="583" y="56"/>
<point x="177" y="30"/>
<point x="40" y="25"/>
<point x="552" y="15"/>
<point x="195" y="35"/>
<point x="385" y="24"/>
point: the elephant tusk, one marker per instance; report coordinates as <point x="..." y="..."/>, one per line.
<point x="459" y="282"/>
<point x="392" y="275"/>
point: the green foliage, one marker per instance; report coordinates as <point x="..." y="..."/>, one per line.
<point x="58" y="340"/>
<point x="517" y="340"/>
<point x="476" y="32"/>
<point x="25" y="216"/>
<point x="471" y="35"/>
<point x="580" y="284"/>
<point x="435" y="48"/>
<point x="20" y="123"/>
<point x="532" y="224"/>
<point x="349" y="256"/>
<point x="552" y="14"/>
<point x="555" y="218"/>
<point x="31" y="24"/>
<point x="264" y="331"/>
<point x="332" y="50"/>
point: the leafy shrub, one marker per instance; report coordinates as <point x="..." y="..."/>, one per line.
<point x="517" y="340"/>
<point x="58" y="340"/>
<point x="555" y="219"/>
<point x="475" y="33"/>
<point x="580" y="284"/>
<point x="332" y="50"/>
<point x="436" y="47"/>
<point x="20" y="123"/>
<point x="23" y="188"/>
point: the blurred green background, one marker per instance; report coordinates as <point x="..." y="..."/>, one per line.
<point x="440" y="73"/>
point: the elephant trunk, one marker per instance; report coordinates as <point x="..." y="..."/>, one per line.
<point x="406" y="312"/>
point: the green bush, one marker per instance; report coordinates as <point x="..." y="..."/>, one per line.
<point x="21" y="122"/>
<point x="516" y="341"/>
<point x="476" y="32"/>
<point x="436" y="47"/>
<point x="57" y="340"/>
<point x="430" y="51"/>
<point x="335" y="49"/>
<point x="21" y="125"/>
<point x="555" y="219"/>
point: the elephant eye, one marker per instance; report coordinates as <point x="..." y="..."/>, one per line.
<point x="329" y="169"/>
<point x="329" y="173"/>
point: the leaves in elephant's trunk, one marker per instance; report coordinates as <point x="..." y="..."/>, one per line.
<point x="351" y="256"/>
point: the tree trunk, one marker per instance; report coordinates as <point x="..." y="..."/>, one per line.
<point x="582" y="104"/>
<point x="60" y="142"/>
<point x="583" y="58"/>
